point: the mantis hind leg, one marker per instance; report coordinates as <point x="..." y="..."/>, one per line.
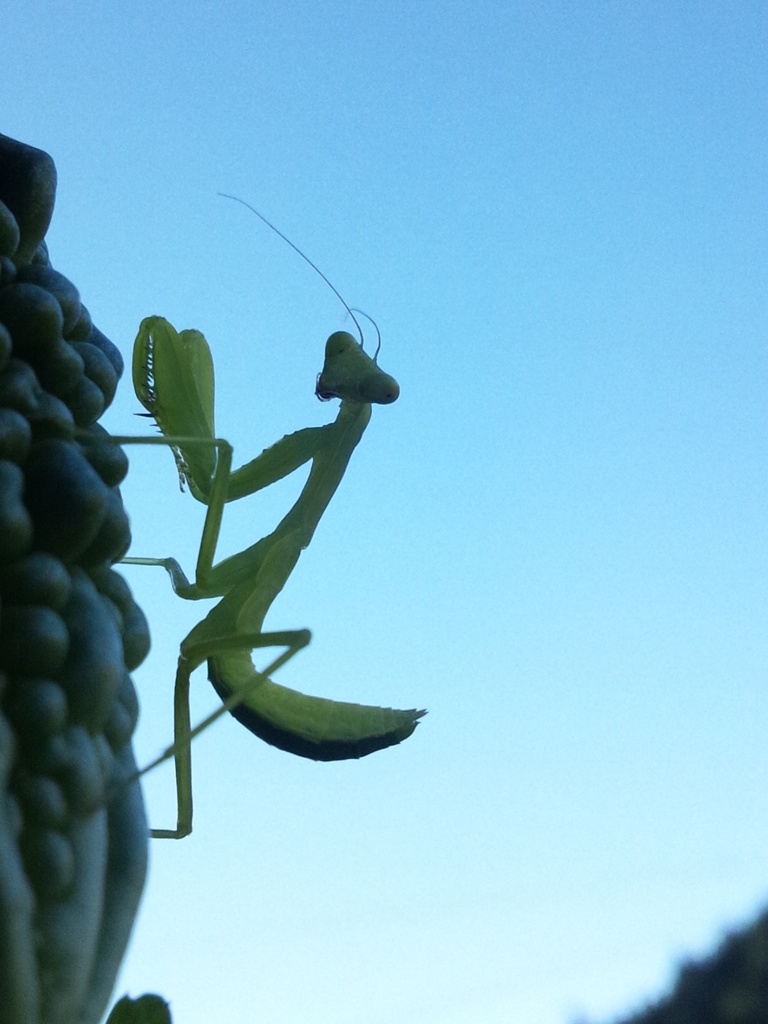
<point x="180" y="750"/>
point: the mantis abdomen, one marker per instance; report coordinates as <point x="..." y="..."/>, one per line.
<point x="311" y="727"/>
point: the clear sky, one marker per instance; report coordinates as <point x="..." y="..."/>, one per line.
<point x="556" y="540"/>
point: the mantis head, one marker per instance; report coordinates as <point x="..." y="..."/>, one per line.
<point x="350" y="374"/>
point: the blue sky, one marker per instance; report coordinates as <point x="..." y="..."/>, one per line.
<point x="556" y="540"/>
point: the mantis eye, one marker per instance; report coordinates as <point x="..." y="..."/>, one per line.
<point x="379" y="389"/>
<point x="339" y="345"/>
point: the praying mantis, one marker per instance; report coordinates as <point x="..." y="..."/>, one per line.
<point x="173" y="377"/>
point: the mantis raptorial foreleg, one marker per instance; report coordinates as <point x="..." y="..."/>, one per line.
<point x="173" y="376"/>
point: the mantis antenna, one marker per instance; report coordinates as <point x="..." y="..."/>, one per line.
<point x="376" y="327"/>
<point x="317" y="270"/>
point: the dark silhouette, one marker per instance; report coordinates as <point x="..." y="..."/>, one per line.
<point x="728" y="987"/>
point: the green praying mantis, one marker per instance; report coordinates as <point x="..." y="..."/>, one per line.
<point x="173" y="378"/>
